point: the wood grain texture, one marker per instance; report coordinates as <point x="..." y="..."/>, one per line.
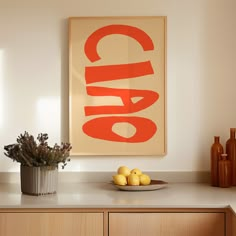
<point x="51" y="224"/>
<point x="166" y="224"/>
<point x="233" y="224"/>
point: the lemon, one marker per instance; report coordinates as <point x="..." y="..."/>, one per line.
<point x="119" y="179"/>
<point x="144" y="179"/>
<point x="123" y="170"/>
<point x="133" y="179"/>
<point x="136" y="171"/>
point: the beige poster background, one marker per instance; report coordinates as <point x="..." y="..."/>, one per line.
<point x="117" y="49"/>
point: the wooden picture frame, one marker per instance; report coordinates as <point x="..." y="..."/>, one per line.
<point x="117" y="85"/>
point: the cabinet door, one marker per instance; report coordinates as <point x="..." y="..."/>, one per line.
<point x="166" y="224"/>
<point x="234" y="224"/>
<point x="51" y="224"/>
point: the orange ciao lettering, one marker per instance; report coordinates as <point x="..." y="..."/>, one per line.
<point x="101" y="127"/>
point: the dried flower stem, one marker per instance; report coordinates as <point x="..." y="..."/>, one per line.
<point x="29" y="152"/>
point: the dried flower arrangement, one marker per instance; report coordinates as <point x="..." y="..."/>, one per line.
<point x="29" y="152"/>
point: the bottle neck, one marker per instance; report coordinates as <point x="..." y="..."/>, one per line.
<point x="232" y="133"/>
<point x="224" y="157"/>
<point x="217" y="139"/>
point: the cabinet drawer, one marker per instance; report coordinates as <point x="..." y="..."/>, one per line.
<point x="167" y="224"/>
<point x="51" y="224"/>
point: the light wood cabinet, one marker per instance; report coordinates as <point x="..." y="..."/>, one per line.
<point x="117" y="222"/>
<point x="51" y="224"/>
<point x="233" y="224"/>
<point x="166" y="224"/>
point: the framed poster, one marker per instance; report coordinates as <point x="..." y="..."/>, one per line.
<point x="117" y="70"/>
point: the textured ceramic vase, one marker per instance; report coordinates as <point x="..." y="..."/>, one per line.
<point x="231" y="151"/>
<point x="224" y="171"/>
<point x="216" y="151"/>
<point x="39" y="180"/>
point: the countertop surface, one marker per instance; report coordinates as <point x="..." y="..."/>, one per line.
<point x="105" y="195"/>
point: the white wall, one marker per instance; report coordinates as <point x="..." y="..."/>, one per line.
<point x="201" y="81"/>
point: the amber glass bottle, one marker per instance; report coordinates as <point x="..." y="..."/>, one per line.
<point x="225" y="177"/>
<point x="231" y="151"/>
<point x="216" y="151"/>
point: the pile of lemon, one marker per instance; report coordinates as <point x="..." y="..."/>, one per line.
<point x="133" y="177"/>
